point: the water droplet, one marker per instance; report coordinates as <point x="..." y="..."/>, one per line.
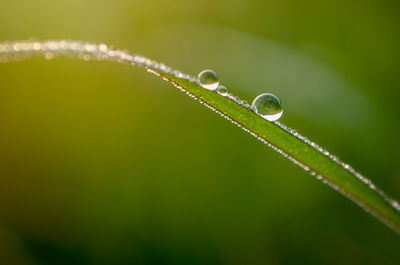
<point x="244" y="103"/>
<point x="208" y="79"/>
<point x="48" y="55"/>
<point x="222" y="90"/>
<point x="268" y="106"/>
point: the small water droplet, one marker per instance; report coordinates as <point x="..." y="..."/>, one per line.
<point x="222" y="90"/>
<point x="48" y="55"/>
<point x="244" y="103"/>
<point x="208" y="79"/>
<point x="268" y="106"/>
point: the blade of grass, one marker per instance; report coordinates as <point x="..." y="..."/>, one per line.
<point x="298" y="149"/>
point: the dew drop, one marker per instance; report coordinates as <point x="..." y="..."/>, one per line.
<point x="244" y="103"/>
<point x="208" y="79"/>
<point x="48" y="55"/>
<point x="268" y="106"/>
<point x="222" y="90"/>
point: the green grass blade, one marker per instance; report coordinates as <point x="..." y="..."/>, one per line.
<point x="298" y="149"/>
<point x="306" y="154"/>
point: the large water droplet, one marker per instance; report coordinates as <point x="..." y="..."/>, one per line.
<point x="208" y="79"/>
<point x="268" y="106"/>
<point x="222" y="90"/>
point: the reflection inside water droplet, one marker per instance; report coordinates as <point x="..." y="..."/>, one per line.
<point x="208" y="79"/>
<point x="268" y="106"/>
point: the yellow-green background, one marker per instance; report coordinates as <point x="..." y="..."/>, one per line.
<point x="103" y="163"/>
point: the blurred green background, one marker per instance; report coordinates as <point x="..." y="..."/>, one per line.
<point x="103" y="163"/>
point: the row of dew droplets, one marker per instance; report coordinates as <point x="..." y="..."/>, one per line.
<point x="265" y="105"/>
<point x="14" y="51"/>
